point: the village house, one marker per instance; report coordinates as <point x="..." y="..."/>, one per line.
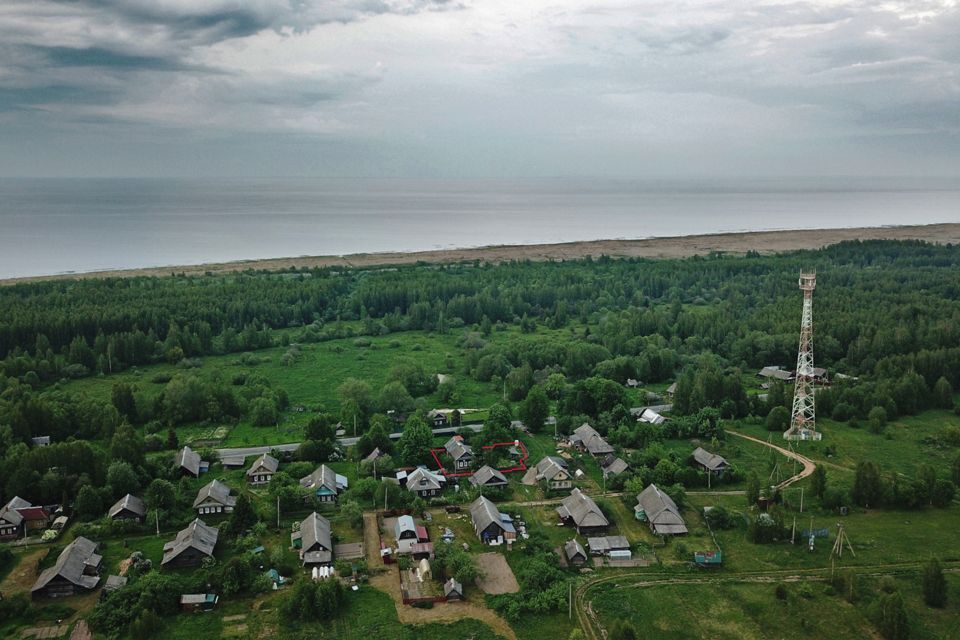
<point x="191" y="545"/>
<point x="198" y="601"/>
<point x="376" y="454"/>
<point x="586" y="438"/>
<point x="711" y="462"/>
<point x="660" y="511"/>
<point x="452" y="590"/>
<point x="214" y="497"/>
<point x="491" y="526"/>
<point x="551" y="472"/>
<point x="576" y="556"/>
<point x="671" y="391"/>
<point x="650" y="416"/>
<point x="461" y="453"/>
<point x="314" y="541"/>
<point x="437" y="418"/>
<point x="608" y="545"/>
<point x="325" y="484"/>
<point x="775" y="373"/>
<point x="77" y="570"/>
<point x="583" y="513"/>
<point x="190" y="463"/>
<point x="425" y="483"/>
<point x="19" y="516"/>
<point x="613" y="466"/>
<point x="129" y="507"/>
<point x="262" y="469"/>
<point x="487" y="476"/>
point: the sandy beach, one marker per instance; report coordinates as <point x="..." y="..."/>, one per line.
<point x="666" y="247"/>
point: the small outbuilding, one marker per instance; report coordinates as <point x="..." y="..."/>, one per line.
<point x="710" y="462"/>
<point x="576" y="555"/>
<point x="452" y="590"/>
<point x="199" y="601"/>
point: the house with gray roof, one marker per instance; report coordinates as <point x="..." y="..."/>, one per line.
<point x="129" y="507"/>
<point x="711" y="462"/>
<point x="461" y="453"/>
<point x="487" y="476"/>
<point x="190" y="463"/>
<point x="660" y="511"/>
<point x="551" y="472"/>
<point x="491" y="526"/>
<point x="613" y="466"/>
<point x="425" y="483"/>
<point x="214" y="497"/>
<point x="314" y="541"/>
<point x="324" y="483"/>
<point x="191" y="546"/>
<point x="11" y="521"/>
<point x="604" y="545"/>
<point x="573" y="550"/>
<point x="586" y="438"/>
<point x="579" y="510"/>
<point x="262" y="469"/>
<point x="776" y="373"/>
<point x="77" y="570"/>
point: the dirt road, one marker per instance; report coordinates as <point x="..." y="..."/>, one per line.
<point x="808" y="465"/>
<point x="389" y="583"/>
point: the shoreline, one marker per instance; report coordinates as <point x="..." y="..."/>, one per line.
<point x="738" y="243"/>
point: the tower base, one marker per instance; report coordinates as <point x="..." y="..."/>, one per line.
<point x="802" y="434"/>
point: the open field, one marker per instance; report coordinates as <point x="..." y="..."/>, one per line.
<point x="668" y="247"/>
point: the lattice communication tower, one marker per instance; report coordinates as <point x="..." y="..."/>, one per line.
<point x="803" y="421"/>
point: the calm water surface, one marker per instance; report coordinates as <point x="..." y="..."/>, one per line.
<point x="50" y="226"/>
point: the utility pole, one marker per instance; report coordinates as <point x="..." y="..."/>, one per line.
<point x="278" y="512"/>
<point x="801" y="499"/>
<point x="156" y="514"/>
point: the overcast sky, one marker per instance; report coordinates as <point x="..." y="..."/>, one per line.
<point x="478" y="88"/>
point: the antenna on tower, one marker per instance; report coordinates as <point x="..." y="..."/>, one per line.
<point x="803" y="424"/>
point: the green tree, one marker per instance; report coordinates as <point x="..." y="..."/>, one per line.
<point x="122" y="397"/>
<point x="535" y="409"/>
<point x="356" y="401"/>
<point x="127" y="445"/>
<point x="395" y="397"/>
<point x="943" y="492"/>
<point x="934" y="584"/>
<point x="88" y="505"/>
<point x="122" y="479"/>
<point x="942" y="394"/>
<point x="414" y="443"/>
<point x="867" y="484"/>
<point x="818" y="481"/>
<point x="955" y="470"/>
<point x="892" y="616"/>
<point x="352" y="512"/>
<point x="320" y="427"/>
<point x="623" y="630"/>
<point x="778" y="419"/>
<point x="753" y="489"/>
<point x="263" y="412"/>
<point x="161" y="494"/>
<point x="877" y="419"/>
<point x="243" y="516"/>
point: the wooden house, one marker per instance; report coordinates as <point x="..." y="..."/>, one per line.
<point x="76" y="570"/>
<point x="579" y="510"/>
<point x="129" y="507"/>
<point x="214" y="498"/>
<point x="191" y="546"/>
<point x="262" y="470"/>
<point x="324" y="483"/>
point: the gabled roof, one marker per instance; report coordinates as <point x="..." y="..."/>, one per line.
<point x="131" y="503"/>
<point x="452" y="586"/>
<point x="651" y="416"/>
<point x="9" y="512"/>
<point x="404" y="524"/>
<point x="613" y="466"/>
<point x="606" y="544"/>
<point x="581" y="508"/>
<point x="547" y="469"/>
<point x="456" y="448"/>
<point x="672" y="388"/>
<point x="711" y="461"/>
<point x="376" y="454"/>
<point x="573" y="548"/>
<point x="487" y="476"/>
<point x="421" y="479"/>
<point x="197" y="535"/>
<point x="266" y="462"/>
<point x="775" y="372"/>
<point x="484" y="513"/>
<point x="592" y="440"/>
<point x="189" y="460"/>
<point x="324" y="477"/>
<point x="315" y="529"/>
<point x="661" y="511"/>
<point x="216" y="491"/>
<point x="71" y="565"/>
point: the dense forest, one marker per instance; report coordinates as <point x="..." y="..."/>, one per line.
<point x="886" y="313"/>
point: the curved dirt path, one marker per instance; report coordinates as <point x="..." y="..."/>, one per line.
<point x="389" y="583"/>
<point x="808" y="465"/>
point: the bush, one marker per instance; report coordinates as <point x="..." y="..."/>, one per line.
<point x="780" y="592"/>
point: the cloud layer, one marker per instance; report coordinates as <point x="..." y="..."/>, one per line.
<point x="479" y="88"/>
